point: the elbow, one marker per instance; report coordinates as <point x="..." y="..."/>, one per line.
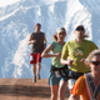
<point x="42" y="55"/>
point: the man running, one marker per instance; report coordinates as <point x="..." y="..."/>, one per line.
<point x="38" y="41"/>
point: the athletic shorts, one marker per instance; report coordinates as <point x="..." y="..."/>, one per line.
<point x="35" y="58"/>
<point x="54" y="79"/>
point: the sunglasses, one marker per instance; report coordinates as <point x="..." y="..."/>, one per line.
<point x="96" y="63"/>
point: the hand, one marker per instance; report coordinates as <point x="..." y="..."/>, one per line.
<point x="33" y="41"/>
<point x="82" y="60"/>
<point x="69" y="62"/>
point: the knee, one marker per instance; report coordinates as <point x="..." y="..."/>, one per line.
<point x="53" y="96"/>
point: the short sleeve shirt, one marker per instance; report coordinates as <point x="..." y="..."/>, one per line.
<point x="57" y="48"/>
<point x="76" y="51"/>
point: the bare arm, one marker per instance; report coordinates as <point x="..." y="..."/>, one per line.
<point x="70" y="62"/>
<point x="46" y="52"/>
<point x="66" y="62"/>
<point x="45" y="39"/>
<point x="31" y="40"/>
<point x="74" y="97"/>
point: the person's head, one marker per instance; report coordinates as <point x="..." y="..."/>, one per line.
<point x="80" y="32"/>
<point x="94" y="61"/>
<point x="37" y="27"/>
<point x="60" y="34"/>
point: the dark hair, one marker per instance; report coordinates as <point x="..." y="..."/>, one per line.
<point x="80" y="28"/>
<point x="38" y="24"/>
<point x="55" y="37"/>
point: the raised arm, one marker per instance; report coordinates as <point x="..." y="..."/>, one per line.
<point x="31" y="40"/>
<point x="64" y="56"/>
<point x="45" y="39"/>
<point x="46" y="53"/>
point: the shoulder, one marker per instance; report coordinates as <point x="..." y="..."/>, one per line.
<point x="54" y="43"/>
<point x="80" y="81"/>
<point x="81" y="78"/>
<point x="69" y="42"/>
<point x="91" y="43"/>
<point x="42" y="33"/>
<point x="32" y="34"/>
<point x="78" y="87"/>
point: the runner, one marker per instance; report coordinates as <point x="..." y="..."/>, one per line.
<point x="74" y="53"/>
<point x="88" y="85"/>
<point x="38" y="41"/>
<point x="57" y="79"/>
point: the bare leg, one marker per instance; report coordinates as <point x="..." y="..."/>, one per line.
<point x="38" y="70"/>
<point x="62" y="89"/>
<point x="34" y="72"/>
<point x="54" y="92"/>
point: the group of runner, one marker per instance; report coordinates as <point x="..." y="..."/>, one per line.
<point x="69" y="62"/>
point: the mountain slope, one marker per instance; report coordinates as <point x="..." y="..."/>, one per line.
<point x="17" y="21"/>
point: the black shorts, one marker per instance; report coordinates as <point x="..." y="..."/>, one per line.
<point x="74" y="75"/>
<point x="63" y="72"/>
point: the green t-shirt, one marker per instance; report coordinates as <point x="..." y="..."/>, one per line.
<point x="76" y="51"/>
<point x="57" y="48"/>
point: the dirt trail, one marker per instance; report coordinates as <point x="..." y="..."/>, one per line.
<point x="24" y="89"/>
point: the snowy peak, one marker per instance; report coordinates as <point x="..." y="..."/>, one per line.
<point x="17" y="21"/>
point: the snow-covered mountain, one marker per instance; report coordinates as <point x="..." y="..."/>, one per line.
<point x="17" y="21"/>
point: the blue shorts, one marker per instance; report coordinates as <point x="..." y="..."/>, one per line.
<point x="54" y="79"/>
